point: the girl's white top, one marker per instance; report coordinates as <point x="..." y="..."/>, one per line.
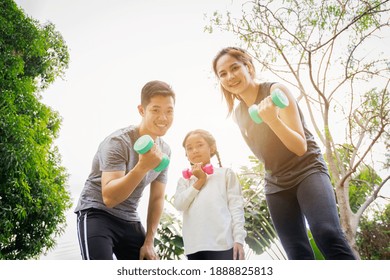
<point x="213" y="218"/>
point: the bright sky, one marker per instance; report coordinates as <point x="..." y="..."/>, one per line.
<point x="116" y="47"/>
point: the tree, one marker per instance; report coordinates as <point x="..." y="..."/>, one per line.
<point x="33" y="195"/>
<point x="329" y="52"/>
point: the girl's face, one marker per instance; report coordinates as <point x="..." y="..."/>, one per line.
<point x="198" y="150"/>
<point x="233" y="75"/>
<point x="157" y="115"/>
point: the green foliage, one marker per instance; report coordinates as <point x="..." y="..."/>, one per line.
<point x="317" y="253"/>
<point x="363" y="181"/>
<point x="33" y="196"/>
<point x="258" y="224"/>
<point x="361" y="186"/>
<point x="375" y="107"/>
<point x="373" y="238"/>
<point x="169" y="241"/>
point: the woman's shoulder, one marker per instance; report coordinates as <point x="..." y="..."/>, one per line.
<point x="265" y="87"/>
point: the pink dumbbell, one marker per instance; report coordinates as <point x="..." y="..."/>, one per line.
<point x="208" y="169"/>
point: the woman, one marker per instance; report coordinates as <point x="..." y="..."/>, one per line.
<point x="297" y="182"/>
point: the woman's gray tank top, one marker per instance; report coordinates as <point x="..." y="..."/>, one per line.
<point x="284" y="169"/>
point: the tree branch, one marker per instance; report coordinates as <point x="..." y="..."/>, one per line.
<point x="370" y="11"/>
<point x="371" y="198"/>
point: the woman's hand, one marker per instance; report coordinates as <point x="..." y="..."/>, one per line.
<point x="267" y="110"/>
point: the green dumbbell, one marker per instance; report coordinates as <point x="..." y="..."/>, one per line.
<point x="278" y="98"/>
<point x="144" y="144"/>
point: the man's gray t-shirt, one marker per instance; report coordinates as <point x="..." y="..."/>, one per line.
<point x="116" y="153"/>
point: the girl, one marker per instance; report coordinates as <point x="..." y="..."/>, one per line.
<point x="297" y="180"/>
<point x="212" y="205"/>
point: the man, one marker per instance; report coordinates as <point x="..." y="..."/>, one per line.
<point x="108" y="222"/>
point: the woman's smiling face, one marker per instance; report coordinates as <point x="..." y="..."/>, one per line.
<point x="233" y="74"/>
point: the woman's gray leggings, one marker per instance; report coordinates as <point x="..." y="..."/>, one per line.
<point x="314" y="200"/>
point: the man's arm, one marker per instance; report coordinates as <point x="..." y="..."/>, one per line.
<point x="118" y="186"/>
<point x="155" y="208"/>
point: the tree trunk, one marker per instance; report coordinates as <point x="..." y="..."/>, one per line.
<point x="347" y="218"/>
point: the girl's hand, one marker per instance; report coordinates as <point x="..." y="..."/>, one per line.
<point x="238" y="252"/>
<point x="200" y="174"/>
